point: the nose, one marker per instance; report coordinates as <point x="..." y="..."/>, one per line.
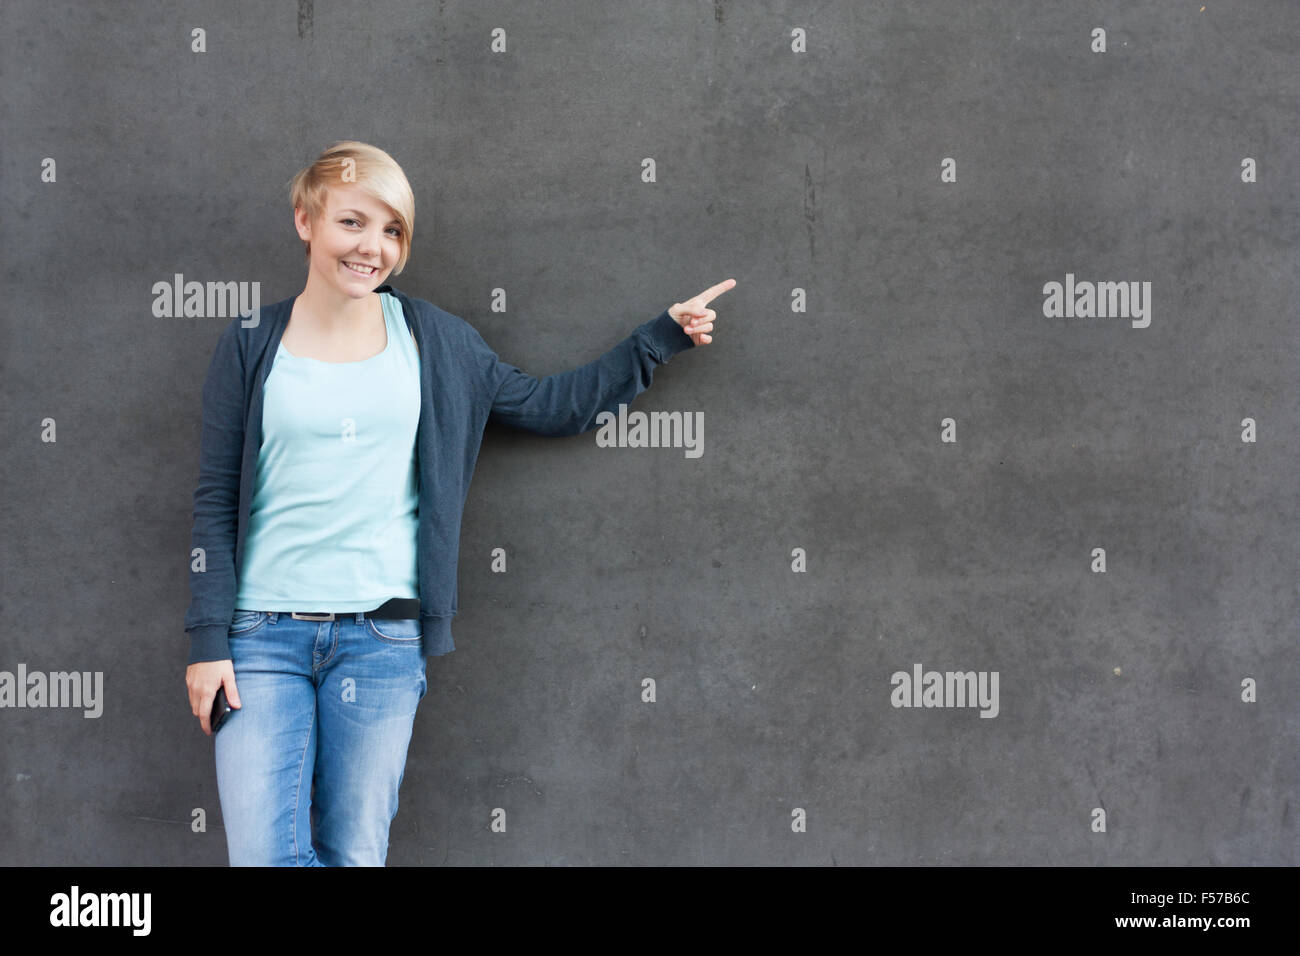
<point x="368" y="244"/>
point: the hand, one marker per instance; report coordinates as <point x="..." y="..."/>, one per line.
<point x="692" y="315"/>
<point x="202" y="681"/>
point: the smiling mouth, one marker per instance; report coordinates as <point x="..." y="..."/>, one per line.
<point x="360" y="269"/>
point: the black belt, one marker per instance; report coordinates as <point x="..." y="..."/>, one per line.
<point x="393" y="608"/>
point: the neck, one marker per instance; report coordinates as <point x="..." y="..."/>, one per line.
<point x="331" y="310"/>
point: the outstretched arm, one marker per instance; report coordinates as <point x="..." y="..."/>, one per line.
<point x="568" y="403"/>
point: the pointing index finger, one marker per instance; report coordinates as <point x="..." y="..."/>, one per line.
<point x="711" y="293"/>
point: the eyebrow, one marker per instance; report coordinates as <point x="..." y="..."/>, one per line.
<point x="363" y="215"/>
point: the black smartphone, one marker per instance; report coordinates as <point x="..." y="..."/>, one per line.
<point x="220" y="708"/>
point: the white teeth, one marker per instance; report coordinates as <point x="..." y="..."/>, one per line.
<point x="370" y="270"/>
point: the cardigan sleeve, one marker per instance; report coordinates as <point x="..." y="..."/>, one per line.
<point x="568" y="403"/>
<point x="216" y="503"/>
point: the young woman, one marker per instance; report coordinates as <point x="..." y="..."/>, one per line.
<point x="340" y="432"/>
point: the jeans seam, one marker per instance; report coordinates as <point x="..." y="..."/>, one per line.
<point x="297" y="801"/>
<point x="335" y="628"/>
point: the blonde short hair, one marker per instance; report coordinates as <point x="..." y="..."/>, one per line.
<point x="369" y="167"/>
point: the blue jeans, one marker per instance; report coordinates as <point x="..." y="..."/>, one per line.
<point x="320" y="741"/>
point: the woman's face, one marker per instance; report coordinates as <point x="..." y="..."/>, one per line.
<point x="355" y="230"/>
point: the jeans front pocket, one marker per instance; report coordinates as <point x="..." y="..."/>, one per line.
<point x="244" y="622"/>
<point x="404" y="630"/>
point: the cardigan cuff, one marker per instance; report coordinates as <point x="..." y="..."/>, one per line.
<point x="667" y="336"/>
<point x="210" y="642"/>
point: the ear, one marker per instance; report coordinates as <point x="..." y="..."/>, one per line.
<point x="302" y="224"/>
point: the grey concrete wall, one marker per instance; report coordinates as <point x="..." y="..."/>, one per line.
<point x="906" y="461"/>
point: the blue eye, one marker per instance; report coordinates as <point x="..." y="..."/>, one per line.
<point x="397" y="232"/>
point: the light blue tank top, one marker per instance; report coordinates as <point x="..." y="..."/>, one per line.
<point x="332" y="525"/>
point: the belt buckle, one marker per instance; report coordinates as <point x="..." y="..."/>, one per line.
<point x="300" y="616"/>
